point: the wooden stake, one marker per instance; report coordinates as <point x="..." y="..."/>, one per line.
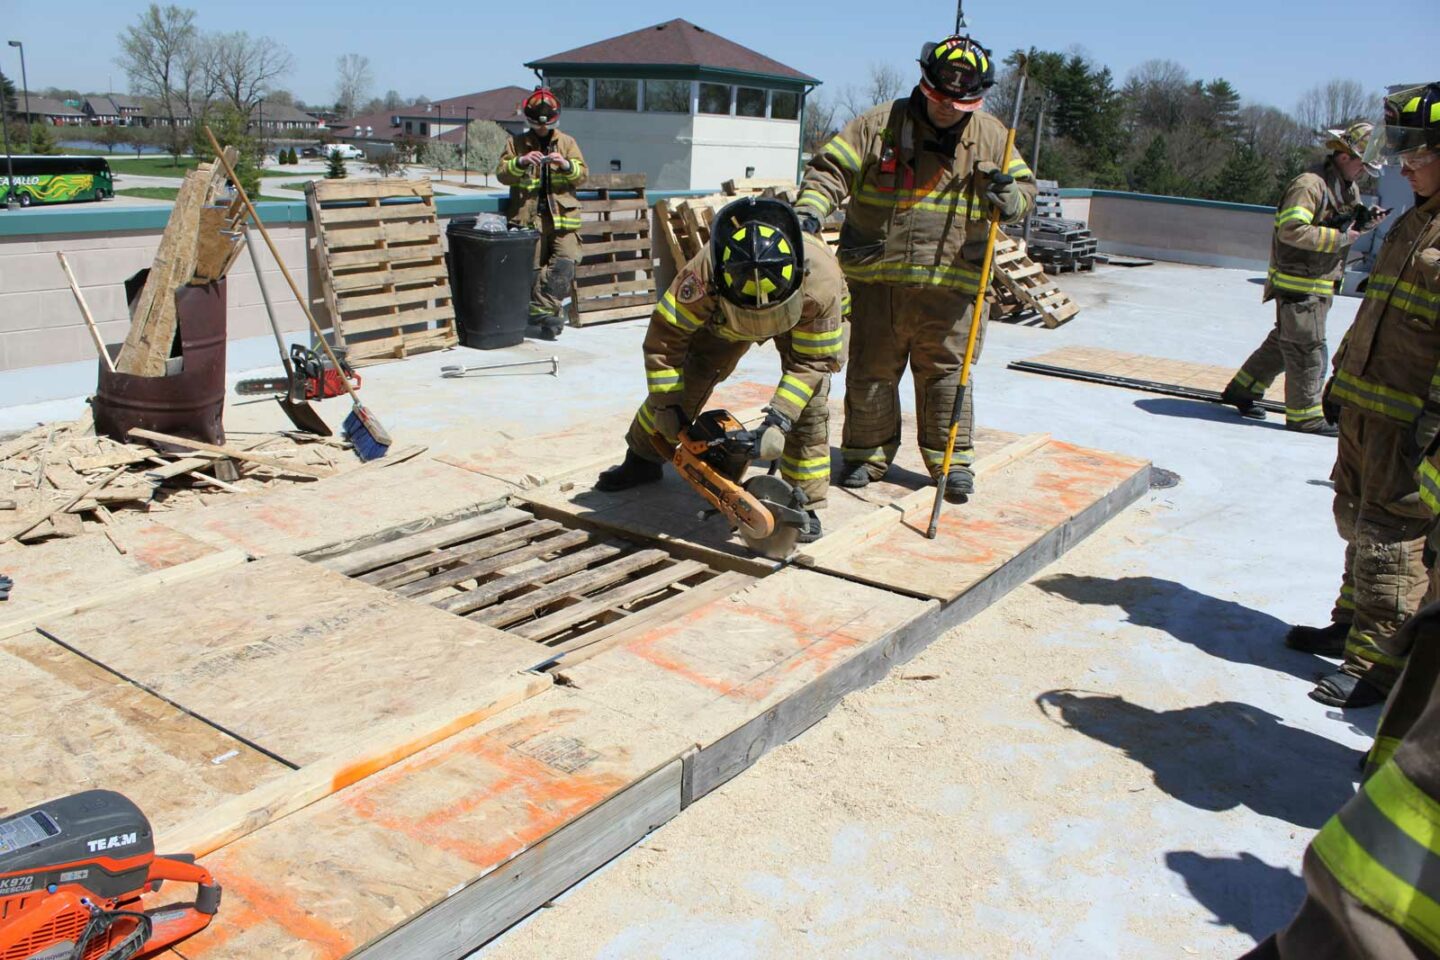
<point x="85" y="312"/>
<point x="233" y="452"/>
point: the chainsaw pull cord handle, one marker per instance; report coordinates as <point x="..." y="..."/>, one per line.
<point x="975" y="316"/>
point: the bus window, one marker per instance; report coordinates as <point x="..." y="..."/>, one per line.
<point x="57" y="179"/>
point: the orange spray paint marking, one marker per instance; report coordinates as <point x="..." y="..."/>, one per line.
<point x="275" y="907"/>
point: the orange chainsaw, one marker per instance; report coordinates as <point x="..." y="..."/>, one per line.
<point x="712" y="453"/>
<point x="72" y="872"/>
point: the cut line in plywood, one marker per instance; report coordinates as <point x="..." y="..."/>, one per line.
<point x="382" y="267"/>
<point x="1177" y="378"/>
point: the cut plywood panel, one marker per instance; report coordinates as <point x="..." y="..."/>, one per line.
<point x="292" y="657"/>
<point x="1181" y="374"/>
<point x="71" y="568"/>
<point x="1009" y="512"/>
<point x="588" y="446"/>
<point x="350" y="506"/>
<point x="445" y="850"/>
<point x="72" y="725"/>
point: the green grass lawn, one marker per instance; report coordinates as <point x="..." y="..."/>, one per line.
<point x="153" y="166"/>
<point x="170" y="193"/>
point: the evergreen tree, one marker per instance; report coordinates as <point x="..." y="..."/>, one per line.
<point x="1222" y="108"/>
<point x="1245" y="178"/>
<point x="42" y="141"/>
<point x="7" y="93"/>
<point x="1155" y="174"/>
<point x="335" y="167"/>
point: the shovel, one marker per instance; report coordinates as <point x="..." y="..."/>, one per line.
<point x="296" y="407"/>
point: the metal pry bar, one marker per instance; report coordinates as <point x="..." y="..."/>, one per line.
<point x="455" y="370"/>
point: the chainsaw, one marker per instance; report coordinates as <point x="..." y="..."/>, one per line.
<point x="712" y="453"/>
<point x="308" y="377"/>
<point x="72" y="872"/>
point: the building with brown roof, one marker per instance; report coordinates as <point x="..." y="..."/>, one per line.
<point x="682" y="105"/>
<point x="434" y="120"/>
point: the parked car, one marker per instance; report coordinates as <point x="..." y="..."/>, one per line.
<point x="346" y="151"/>
<point x="311" y="153"/>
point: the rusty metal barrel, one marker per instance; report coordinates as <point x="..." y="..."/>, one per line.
<point x="189" y="401"/>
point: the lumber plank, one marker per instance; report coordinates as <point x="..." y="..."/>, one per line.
<point x="404" y="210"/>
<point x="355" y="326"/>
<point x="418" y="253"/>
<point x="373" y="751"/>
<point x="493" y="590"/>
<point x="291" y="657"/>
<point x="608" y="268"/>
<point x="633" y="311"/>
<point x="597" y="228"/>
<point x="426" y="232"/>
<point x="490" y="562"/>
<point x="368" y="279"/>
<point x="380" y="558"/>
<point x="617" y="596"/>
<point x="370" y="189"/>
<point x="363" y="352"/>
<point x="613" y="205"/>
<point x="356" y="303"/>
<point x="234" y="453"/>
<point x="575" y="585"/>
<point x="615" y="246"/>
<point x="403" y="573"/>
<point x="591" y="291"/>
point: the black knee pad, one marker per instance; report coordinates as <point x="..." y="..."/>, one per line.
<point x="560" y="277"/>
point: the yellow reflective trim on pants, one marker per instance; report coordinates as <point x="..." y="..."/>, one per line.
<point x="1395" y="404"/>
<point x="1362" y="646"/>
<point x="826" y="344"/>
<point x="1295" y="215"/>
<point x="645" y="418"/>
<point x="844" y="154"/>
<point x="810" y="468"/>
<point x="1290" y="283"/>
<point x="1251" y="385"/>
<point x="965" y="279"/>
<point x="1347" y="597"/>
<point x="864" y="455"/>
<point x="677" y="314"/>
<point x="1428" y="480"/>
<point x="1303" y="414"/>
<point x="817" y="201"/>
<point x="665" y="381"/>
<point x="1381" y="751"/>
<point x="794" y="390"/>
<point x="845" y="305"/>
<point x="963" y="456"/>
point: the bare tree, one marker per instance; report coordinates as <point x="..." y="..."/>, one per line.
<point x="158" y="54"/>
<point x="352" y="82"/>
<point x="1334" y="104"/>
<point x="1158" y="92"/>
<point x="393" y="100"/>
<point x="243" y="67"/>
<point x="820" y="117"/>
<point x="484" y="143"/>
<point x="882" y="85"/>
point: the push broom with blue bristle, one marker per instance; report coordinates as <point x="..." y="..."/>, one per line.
<point x="362" y="428"/>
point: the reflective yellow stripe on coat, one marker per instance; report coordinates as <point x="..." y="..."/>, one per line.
<point x="1395" y="404"/>
<point x="1290" y="283"/>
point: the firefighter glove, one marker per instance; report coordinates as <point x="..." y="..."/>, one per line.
<point x="808" y="221"/>
<point x="1421" y="437"/>
<point x="668" y="421"/>
<point x="769" y="440"/>
<point x="1329" y="407"/>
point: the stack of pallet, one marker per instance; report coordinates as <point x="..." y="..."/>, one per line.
<point x="382" y="267"/>
<point x="200" y="243"/>
<point x="1022" y="284"/>
<point x="685" y="224"/>
<point x="615" y="279"/>
<point x="1060" y="244"/>
<point x="55" y="476"/>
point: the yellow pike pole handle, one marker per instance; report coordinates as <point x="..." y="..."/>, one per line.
<point x="975" y="315"/>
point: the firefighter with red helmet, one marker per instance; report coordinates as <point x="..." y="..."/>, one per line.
<point x="543" y="166"/>
<point x="921" y="176"/>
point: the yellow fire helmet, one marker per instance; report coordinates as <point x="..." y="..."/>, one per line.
<point x="758" y="266"/>
<point x="1354" y="140"/>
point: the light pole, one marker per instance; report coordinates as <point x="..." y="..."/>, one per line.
<point x="261" y="104"/>
<point x="465" y="144"/>
<point x="10" y="202"/>
<point x="23" y="79"/>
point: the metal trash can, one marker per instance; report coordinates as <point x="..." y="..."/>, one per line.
<point x="491" y="273"/>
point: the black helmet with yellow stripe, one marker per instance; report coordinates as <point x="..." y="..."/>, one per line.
<point x="1412" y="123"/>
<point x="957" y="70"/>
<point x="757" y="256"/>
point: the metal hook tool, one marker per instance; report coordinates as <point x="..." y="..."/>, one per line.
<point x="454" y="370"/>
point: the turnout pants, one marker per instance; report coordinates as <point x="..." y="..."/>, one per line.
<point x="556" y="255"/>
<point x="709" y="361"/>
<point x="1383" y="523"/>
<point x="926" y="327"/>
<point x="1296" y="346"/>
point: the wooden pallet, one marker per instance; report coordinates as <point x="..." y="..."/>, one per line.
<point x="382" y="267"/>
<point x="1026" y="281"/>
<point x="615" y="278"/>
<point x="544" y="580"/>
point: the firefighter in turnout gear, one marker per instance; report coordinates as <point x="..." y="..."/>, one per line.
<point x="921" y="175"/>
<point x="1386" y="396"/>
<point x="542" y="167"/>
<point x="1371" y="872"/>
<point x="1315" y="225"/>
<point x="759" y="278"/>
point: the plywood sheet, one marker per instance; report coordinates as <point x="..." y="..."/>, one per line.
<point x="588" y="446"/>
<point x="295" y="658"/>
<point x="1182" y="373"/>
<point x="374" y="497"/>
<point x="713" y="669"/>
<point x="346" y="870"/>
<point x="71" y="726"/>
<point x="1009" y="512"/>
<point x="57" y="570"/>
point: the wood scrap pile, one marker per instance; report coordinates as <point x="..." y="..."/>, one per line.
<point x="685" y="224"/>
<point x="200" y="244"/>
<point x="55" y="477"/>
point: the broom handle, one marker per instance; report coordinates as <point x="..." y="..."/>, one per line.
<point x="975" y="314"/>
<point x="294" y="287"/>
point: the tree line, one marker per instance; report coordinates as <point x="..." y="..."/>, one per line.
<point x="1162" y="131"/>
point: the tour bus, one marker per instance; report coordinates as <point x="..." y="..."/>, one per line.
<point x="56" y="179"/>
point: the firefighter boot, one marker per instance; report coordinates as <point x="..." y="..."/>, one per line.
<point x="1318" y="426"/>
<point x="1328" y="641"/>
<point x="960" y="485"/>
<point x="631" y="472"/>
<point x="812" y="531"/>
<point x="855" y="476"/>
<point x="1242" y="402"/>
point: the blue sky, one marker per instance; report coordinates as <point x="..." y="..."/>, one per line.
<point x="1267" y="48"/>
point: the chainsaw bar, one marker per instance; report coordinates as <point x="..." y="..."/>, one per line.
<point x="251" y="388"/>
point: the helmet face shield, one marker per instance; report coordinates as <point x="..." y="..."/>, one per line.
<point x="1412" y="127"/>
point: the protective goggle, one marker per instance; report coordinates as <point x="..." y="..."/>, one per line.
<point x="1390" y="144"/>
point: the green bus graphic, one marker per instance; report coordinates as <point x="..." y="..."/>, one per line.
<point x="56" y="179"/>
